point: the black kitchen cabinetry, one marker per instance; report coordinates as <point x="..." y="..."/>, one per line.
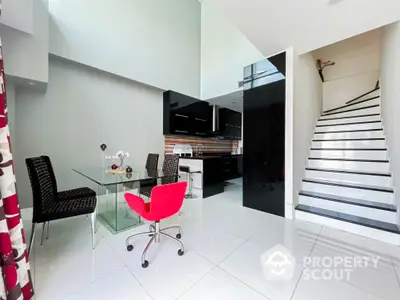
<point x="231" y="167"/>
<point x="264" y="145"/>
<point x="186" y="115"/>
<point x="230" y="124"/>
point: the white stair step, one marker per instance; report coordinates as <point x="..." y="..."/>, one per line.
<point x="352" y="119"/>
<point x="361" y="103"/>
<point x="349" y="206"/>
<point x="350" y="154"/>
<point x="348" y="134"/>
<point x="370" y="109"/>
<point x="359" y="126"/>
<point x="381" y="231"/>
<point x="368" y="95"/>
<point x="371" y="193"/>
<point x="349" y="144"/>
<point x="379" y="179"/>
<point x="381" y="166"/>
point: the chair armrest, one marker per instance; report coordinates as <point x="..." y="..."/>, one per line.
<point x="136" y="203"/>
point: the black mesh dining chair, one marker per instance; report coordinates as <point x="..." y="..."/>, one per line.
<point x="47" y="203"/>
<point x="152" y="161"/>
<point x="170" y="167"/>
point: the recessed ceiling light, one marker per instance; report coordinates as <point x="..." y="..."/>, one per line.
<point x="31" y="83"/>
<point x="333" y="2"/>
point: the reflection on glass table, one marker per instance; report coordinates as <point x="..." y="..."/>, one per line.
<point x="112" y="208"/>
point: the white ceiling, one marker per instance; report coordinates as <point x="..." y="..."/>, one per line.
<point x="232" y="101"/>
<point x="274" y="25"/>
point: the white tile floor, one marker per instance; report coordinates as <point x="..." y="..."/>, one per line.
<point x="223" y="243"/>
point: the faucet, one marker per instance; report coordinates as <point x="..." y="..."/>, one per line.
<point x="197" y="148"/>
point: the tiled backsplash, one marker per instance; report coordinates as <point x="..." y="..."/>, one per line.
<point x="210" y="145"/>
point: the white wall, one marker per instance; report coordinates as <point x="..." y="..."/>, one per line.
<point x="390" y="92"/>
<point x="17" y="14"/>
<point x="156" y="42"/>
<point x="224" y="53"/>
<point x="307" y="109"/>
<point x="356" y="70"/>
<point x="25" y="55"/>
<point x="82" y="109"/>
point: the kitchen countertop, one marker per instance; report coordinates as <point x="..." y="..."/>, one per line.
<point x="210" y="156"/>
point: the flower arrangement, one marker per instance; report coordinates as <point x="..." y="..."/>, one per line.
<point x="122" y="155"/>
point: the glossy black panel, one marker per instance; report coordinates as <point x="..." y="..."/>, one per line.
<point x="347" y="200"/>
<point x="264" y="145"/>
<point x="349" y="218"/>
<point x="184" y="115"/>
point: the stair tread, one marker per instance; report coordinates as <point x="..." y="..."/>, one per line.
<point x="349" y="110"/>
<point x="350" y="159"/>
<point x="349" y="149"/>
<point x="349" y="185"/>
<point x="349" y="139"/>
<point x="350" y="123"/>
<point x="351" y="104"/>
<point x="367" y="93"/>
<point x="350" y="117"/>
<point x="390" y="227"/>
<point x="387" y="174"/>
<point x="348" y="200"/>
<point x="344" y="131"/>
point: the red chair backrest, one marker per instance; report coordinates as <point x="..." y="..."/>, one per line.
<point x="166" y="200"/>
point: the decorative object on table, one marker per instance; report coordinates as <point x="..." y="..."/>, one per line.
<point x="122" y="155"/>
<point x="103" y="148"/>
<point x="128" y="169"/>
<point x="114" y="167"/>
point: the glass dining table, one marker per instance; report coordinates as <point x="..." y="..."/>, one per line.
<point x="112" y="208"/>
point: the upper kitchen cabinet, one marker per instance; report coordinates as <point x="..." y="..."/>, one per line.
<point x="186" y="115"/>
<point x="230" y="124"/>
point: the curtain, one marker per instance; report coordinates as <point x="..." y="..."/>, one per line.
<point x="15" y="276"/>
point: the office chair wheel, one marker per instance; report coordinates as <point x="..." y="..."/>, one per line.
<point x="145" y="264"/>
<point x="129" y="248"/>
<point x="178" y="236"/>
<point x="180" y="252"/>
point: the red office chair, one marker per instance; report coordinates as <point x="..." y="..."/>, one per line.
<point x="165" y="201"/>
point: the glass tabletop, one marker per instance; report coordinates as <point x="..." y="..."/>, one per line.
<point x="105" y="177"/>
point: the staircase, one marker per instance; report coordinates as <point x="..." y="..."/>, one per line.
<point x="348" y="183"/>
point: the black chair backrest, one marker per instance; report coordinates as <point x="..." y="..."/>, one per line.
<point x="152" y="161"/>
<point x="170" y="167"/>
<point x="44" y="186"/>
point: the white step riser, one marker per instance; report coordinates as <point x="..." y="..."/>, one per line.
<point x="373" y="94"/>
<point x="368" y="126"/>
<point x="349" y="165"/>
<point x="350" y="144"/>
<point x="359" y="105"/>
<point x="366" y="111"/>
<point x="356" y="210"/>
<point x="352" y="120"/>
<point x="375" y="155"/>
<point x="348" y="135"/>
<point x="382" y="181"/>
<point x="372" y="233"/>
<point x="376" y="196"/>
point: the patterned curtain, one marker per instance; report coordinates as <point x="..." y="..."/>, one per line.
<point x="15" y="276"/>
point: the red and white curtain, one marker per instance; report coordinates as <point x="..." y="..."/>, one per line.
<point x="15" y="276"/>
